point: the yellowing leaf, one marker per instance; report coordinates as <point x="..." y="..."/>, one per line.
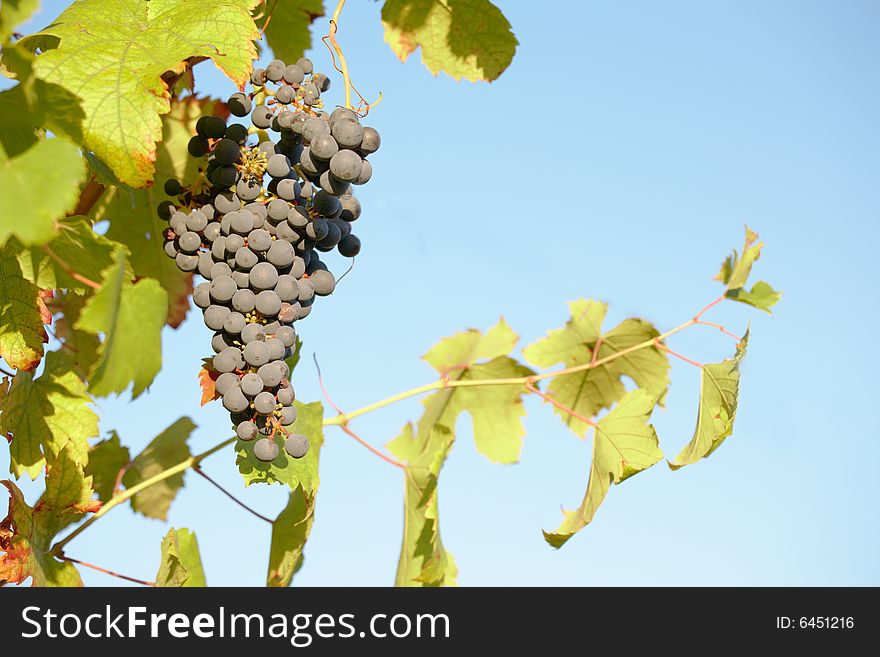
<point x="166" y="450"/>
<point x="131" y="317"/>
<point x="26" y="534"/>
<point x="132" y="214"/>
<point x="45" y="414"/>
<point x="290" y="531"/>
<point x="284" y="469"/>
<point x="735" y="272"/>
<point x="181" y="563"/>
<point x="22" y="334"/>
<point x="288" y="31"/>
<point x="624" y="444"/>
<point x="468" y="39"/>
<point x="719" y="393"/>
<point x="113" y="53"/>
<point x="588" y="391"/>
<point x="37" y="188"/>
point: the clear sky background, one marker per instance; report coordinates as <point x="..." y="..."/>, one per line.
<point x="618" y="159"/>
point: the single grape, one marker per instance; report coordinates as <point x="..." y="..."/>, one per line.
<point x="226" y="151"/>
<point x="213" y="127"/>
<point x="225" y="382"/>
<point x="214" y="316"/>
<point x="196" y="221"/>
<point x="264" y="403"/>
<point x="242" y="280"/>
<point x="172" y="187"/>
<point x="253" y="333"/>
<point x="262" y="117"/>
<point x="297" y="445"/>
<point x="298" y="217"/>
<point x="276" y="348"/>
<point x="177" y="222"/>
<point x="220" y="269"/>
<point x="186" y="262"/>
<point x="311" y="94"/>
<point x="248" y="189"/>
<point x="278" y="209"/>
<point x="257" y="208"/>
<point x="348" y="134"/>
<point x="349" y="246"/>
<point x="370" y="141"/>
<point x="342" y="113"/>
<point x="242" y="222"/>
<point x="326" y="204"/>
<point x="278" y="166"/>
<point x="346" y="165"/>
<point x="233" y="244"/>
<point x="332" y="238"/>
<point x="288" y="415"/>
<point x="351" y="208"/>
<point x="305" y="311"/>
<point x="317" y="229"/>
<point x="259" y="77"/>
<point x="208" y="211"/>
<point x="251" y="384"/>
<point x="268" y="303"/>
<point x="332" y="184"/>
<point x="287" y="189"/>
<point x="306" y="290"/>
<point x="256" y="353"/>
<point x="225" y="361"/>
<point x="293" y="74"/>
<point x="218" y="342"/>
<point x="206" y="263"/>
<point x="285" y="94"/>
<point x="323" y="147"/>
<point x="263" y="276"/>
<point x="285" y="233"/>
<point x="343" y="226"/>
<point x="201" y="295"/>
<point x="280" y="254"/>
<point x="189" y="242"/>
<point x="246" y="430"/>
<point x="287" y="288"/>
<point x="271" y="374"/>
<point x="266" y="449"/>
<point x="245" y="258"/>
<point x="324" y="282"/>
<point x="314" y="127"/>
<point x="288" y="312"/>
<point x="227" y="202"/>
<point x="287" y="336"/>
<point x="237" y="133"/>
<point x="197" y="146"/>
<point x="305" y="64"/>
<point x="224" y="176"/>
<point x="243" y="300"/>
<point x="321" y="81"/>
<point x="307" y="190"/>
<point x="234" y="400"/>
<point x="239" y="104"/>
<point x="365" y="175"/>
<point x="222" y="289"/>
<point x="310" y="164"/>
<point x="165" y="209"/>
<point x="298" y="268"/>
<point x="285" y="396"/>
<point x="234" y="323"/>
<point x="259" y="240"/>
<point x="275" y="70"/>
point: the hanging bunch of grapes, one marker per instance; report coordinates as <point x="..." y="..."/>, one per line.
<point x="253" y="225"/>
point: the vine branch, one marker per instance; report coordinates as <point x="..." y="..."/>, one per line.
<point x="105" y="571"/>
<point x="70" y="271"/>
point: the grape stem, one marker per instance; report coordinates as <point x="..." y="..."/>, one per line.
<point x="70" y="270"/>
<point x="58" y="549"/>
<point x="525" y="381"/>
<point x="105" y="571"/>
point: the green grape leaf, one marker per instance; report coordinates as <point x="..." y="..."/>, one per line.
<point x="496" y="411"/>
<point x="22" y="315"/>
<point x="45" y="414"/>
<point x="424" y="560"/>
<point x="719" y="394"/>
<point x="588" y="391"/>
<point x="27" y="211"/>
<point x="624" y="444"/>
<point x="284" y="469"/>
<point x="181" y="563"/>
<point x="468" y="39"/>
<point x="288" y="31"/>
<point x="13" y="13"/>
<point x="290" y="531"/>
<point x="80" y="346"/>
<point x="33" y="106"/>
<point x="106" y="461"/>
<point x="131" y="317"/>
<point x="735" y="271"/>
<point x="165" y="450"/>
<point x="132" y="213"/>
<point x="26" y="533"/>
<point x="113" y="54"/>
<point x="79" y="247"/>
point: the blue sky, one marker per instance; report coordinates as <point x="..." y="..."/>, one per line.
<point x="618" y="159"/>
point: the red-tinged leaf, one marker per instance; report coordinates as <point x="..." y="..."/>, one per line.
<point x="208" y="383"/>
<point x="22" y="334"/>
<point x="45" y="313"/>
<point x="178" y="305"/>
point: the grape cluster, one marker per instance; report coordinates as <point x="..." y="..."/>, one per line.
<point x="253" y="224"/>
